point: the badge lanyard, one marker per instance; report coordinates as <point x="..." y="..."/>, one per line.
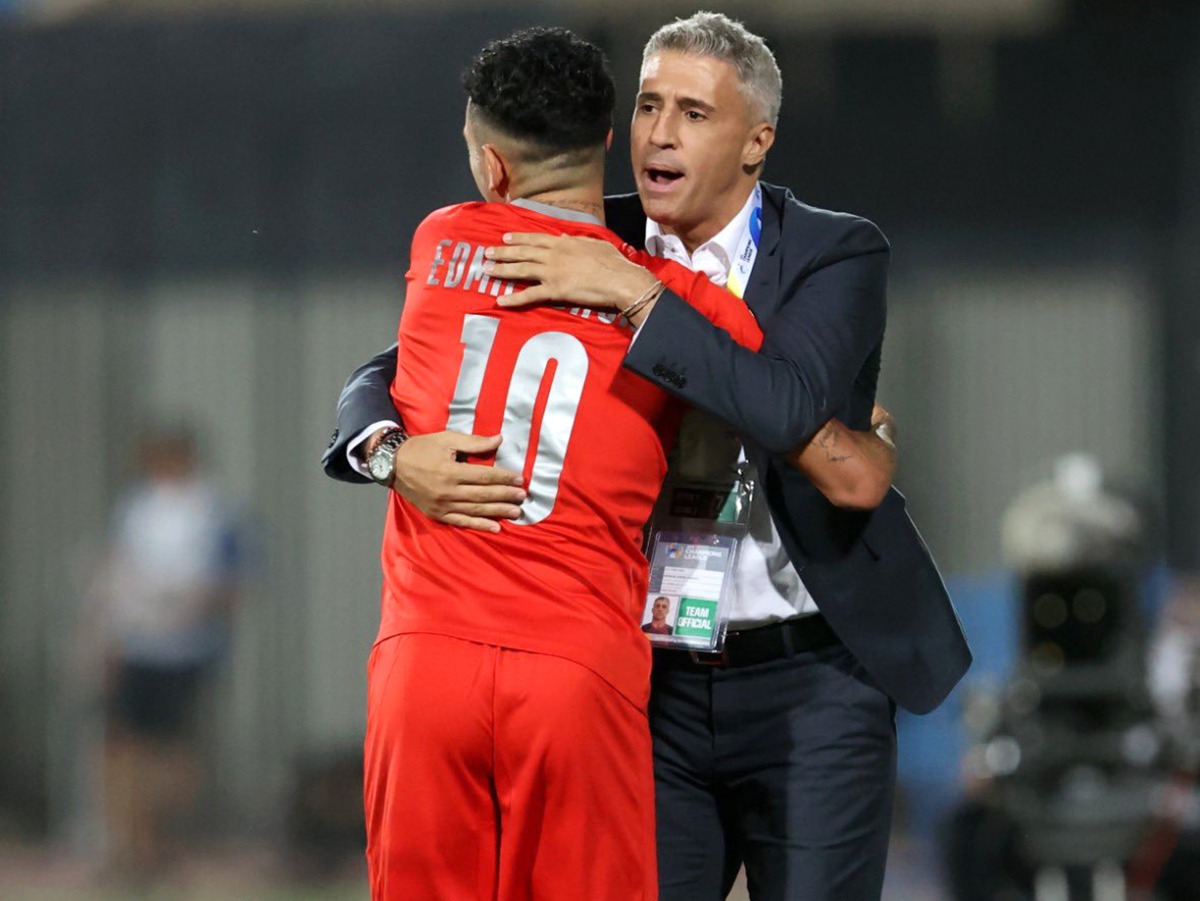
<point x="743" y="263"/>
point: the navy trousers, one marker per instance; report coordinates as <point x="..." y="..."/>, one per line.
<point x="787" y="766"/>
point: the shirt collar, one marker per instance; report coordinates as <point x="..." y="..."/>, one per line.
<point x="557" y="212"/>
<point x="722" y="245"/>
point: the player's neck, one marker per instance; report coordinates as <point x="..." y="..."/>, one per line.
<point x="578" y="187"/>
<point x="582" y="201"/>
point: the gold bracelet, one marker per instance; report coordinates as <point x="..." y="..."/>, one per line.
<point x="649" y="295"/>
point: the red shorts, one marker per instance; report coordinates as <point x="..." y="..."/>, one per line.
<point x="500" y="774"/>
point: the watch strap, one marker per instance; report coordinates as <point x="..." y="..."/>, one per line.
<point x="385" y="446"/>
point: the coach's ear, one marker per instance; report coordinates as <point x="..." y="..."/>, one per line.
<point x="608" y="140"/>
<point x="758" y="142"/>
<point x="498" y="177"/>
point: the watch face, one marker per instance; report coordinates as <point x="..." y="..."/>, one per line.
<point x="380" y="464"/>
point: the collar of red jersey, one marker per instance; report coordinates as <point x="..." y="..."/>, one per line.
<point x="556" y="211"/>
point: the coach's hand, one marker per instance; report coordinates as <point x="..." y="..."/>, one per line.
<point x="583" y="271"/>
<point x="469" y="495"/>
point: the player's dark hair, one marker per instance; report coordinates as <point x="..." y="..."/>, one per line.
<point x="544" y="86"/>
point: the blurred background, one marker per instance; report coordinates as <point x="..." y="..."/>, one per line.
<point x="205" y="210"/>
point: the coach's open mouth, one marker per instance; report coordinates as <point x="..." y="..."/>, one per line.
<point x="662" y="176"/>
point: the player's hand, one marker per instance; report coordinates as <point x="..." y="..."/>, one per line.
<point x="469" y="495"/>
<point x="587" y="272"/>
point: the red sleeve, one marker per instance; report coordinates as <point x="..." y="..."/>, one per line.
<point x="715" y="303"/>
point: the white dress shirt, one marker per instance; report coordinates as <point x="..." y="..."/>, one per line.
<point x="767" y="587"/>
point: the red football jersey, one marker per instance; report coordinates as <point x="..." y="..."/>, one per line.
<point x="568" y="578"/>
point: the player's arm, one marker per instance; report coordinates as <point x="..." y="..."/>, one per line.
<point x="711" y="301"/>
<point x="428" y="471"/>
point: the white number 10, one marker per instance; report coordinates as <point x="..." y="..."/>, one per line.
<point x="558" y="419"/>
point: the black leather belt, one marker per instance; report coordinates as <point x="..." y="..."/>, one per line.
<point x="748" y="647"/>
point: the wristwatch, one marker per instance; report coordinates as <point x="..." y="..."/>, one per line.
<point x="381" y="463"/>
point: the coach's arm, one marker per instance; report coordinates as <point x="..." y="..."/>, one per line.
<point x="823" y="322"/>
<point x="830" y="321"/>
<point x="364" y="406"/>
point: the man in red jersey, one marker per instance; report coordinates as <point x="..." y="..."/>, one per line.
<point x="508" y="752"/>
<point x="507" y="691"/>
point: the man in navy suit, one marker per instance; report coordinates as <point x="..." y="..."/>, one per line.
<point x="780" y="752"/>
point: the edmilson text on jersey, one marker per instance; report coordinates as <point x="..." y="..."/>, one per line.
<point x="463" y="268"/>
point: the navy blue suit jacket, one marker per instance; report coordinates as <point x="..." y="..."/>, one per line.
<point x="819" y="291"/>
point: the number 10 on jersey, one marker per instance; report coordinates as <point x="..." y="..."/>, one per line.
<point x="524" y="385"/>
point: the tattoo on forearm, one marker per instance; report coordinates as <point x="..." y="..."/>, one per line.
<point x="827" y="439"/>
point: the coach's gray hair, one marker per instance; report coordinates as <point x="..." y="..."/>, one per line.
<point x="718" y="36"/>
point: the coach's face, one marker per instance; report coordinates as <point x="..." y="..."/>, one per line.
<point x="696" y="144"/>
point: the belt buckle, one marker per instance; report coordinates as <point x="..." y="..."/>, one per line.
<point x="710" y="658"/>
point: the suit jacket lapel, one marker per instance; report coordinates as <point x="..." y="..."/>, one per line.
<point x="762" y="295"/>
<point x="623" y="214"/>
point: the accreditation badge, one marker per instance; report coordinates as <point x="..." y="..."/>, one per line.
<point x="693" y="545"/>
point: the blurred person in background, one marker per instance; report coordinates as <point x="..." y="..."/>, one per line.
<point x="161" y="606"/>
<point x="839" y="614"/>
